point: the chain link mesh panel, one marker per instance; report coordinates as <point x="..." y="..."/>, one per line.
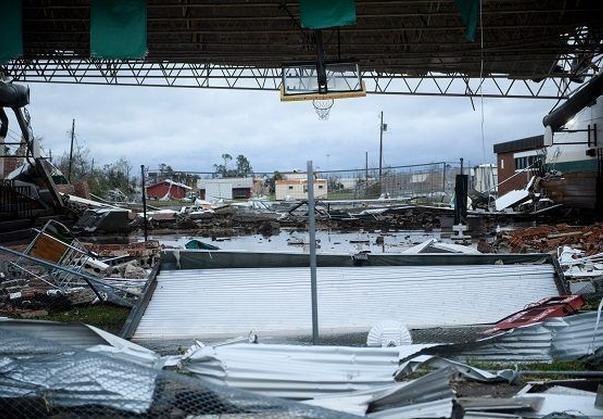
<point x="40" y="378"/>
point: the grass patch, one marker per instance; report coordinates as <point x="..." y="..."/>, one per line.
<point x="104" y="316"/>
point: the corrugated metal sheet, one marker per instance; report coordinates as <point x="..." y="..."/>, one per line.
<point x="75" y="335"/>
<point x="80" y="336"/>
<point x="219" y="303"/>
<point x="561" y="338"/>
<point x="527" y="344"/>
<point x="294" y="371"/>
<point x="427" y="396"/>
<point x="575" y="336"/>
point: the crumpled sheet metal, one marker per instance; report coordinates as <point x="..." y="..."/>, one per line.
<point x="427" y="396"/>
<point x="84" y="337"/>
<point x="560" y="338"/>
<point x="78" y="379"/>
<point x="293" y="371"/>
<point x="465" y="370"/>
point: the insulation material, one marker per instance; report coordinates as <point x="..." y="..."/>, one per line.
<point x="293" y="371"/>
<point x="214" y="304"/>
<point x="319" y="14"/>
<point x="11" y="30"/>
<point x="118" y="29"/>
<point x="469" y="11"/>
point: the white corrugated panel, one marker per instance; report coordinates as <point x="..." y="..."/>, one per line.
<point x="219" y="303"/>
<point x="218" y="191"/>
<point x="294" y="371"/>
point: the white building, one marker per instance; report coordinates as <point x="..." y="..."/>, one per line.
<point x="288" y="189"/>
<point x="225" y="188"/>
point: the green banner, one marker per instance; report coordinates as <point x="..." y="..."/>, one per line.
<point x="319" y="14"/>
<point x="118" y="28"/>
<point x="11" y="30"/>
<point x="469" y="10"/>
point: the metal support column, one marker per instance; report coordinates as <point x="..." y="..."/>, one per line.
<point x="312" y="234"/>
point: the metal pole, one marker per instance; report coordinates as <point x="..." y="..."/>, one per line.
<point x="144" y="202"/>
<point x="366" y="187"/>
<point x="312" y="233"/>
<point x="71" y="149"/>
<point x="381" y="147"/>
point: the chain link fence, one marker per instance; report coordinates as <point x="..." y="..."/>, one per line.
<point x="433" y="181"/>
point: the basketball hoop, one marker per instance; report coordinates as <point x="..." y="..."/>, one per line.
<point x="323" y="107"/>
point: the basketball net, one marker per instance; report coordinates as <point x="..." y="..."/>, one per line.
<point x="323" y="107"/>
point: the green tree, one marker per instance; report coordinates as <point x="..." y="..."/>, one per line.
<point x="242" y="169"/>
<point x="243" y="166"/>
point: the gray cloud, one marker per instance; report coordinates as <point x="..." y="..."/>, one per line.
<point x="190" y="128"/>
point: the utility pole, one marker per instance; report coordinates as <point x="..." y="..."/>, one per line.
<point x="71" y="149"/>
<point x="366" y="166"/>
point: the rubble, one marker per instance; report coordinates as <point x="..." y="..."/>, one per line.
<point x="56" y="271"/>
<point x="547" y="238"/>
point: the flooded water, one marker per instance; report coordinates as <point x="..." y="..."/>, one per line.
<point x="327" y="241"/>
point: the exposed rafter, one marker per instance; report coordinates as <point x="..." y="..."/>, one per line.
<point x="531" y="50"/>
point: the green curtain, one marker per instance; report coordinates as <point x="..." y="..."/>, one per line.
<point x="319" y="14"/>
<point x="11" y="30"/>
<point x="469" y="10"/>
<point x="118" y="28"/>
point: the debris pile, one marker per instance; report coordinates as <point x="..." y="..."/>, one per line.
<point x="548" y="238"/>
<point x="56" y="271"/>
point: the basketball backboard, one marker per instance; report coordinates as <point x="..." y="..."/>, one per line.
<point x="300" y="81"/>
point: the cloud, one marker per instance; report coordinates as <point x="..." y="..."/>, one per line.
<point x="190" y="128"/>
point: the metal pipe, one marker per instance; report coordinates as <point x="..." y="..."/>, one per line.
<point x="583" y="98"/>
<point x="312" y="233"/>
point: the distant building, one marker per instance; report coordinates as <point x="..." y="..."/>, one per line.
<point x="167" y="189"/>
<point x="225" y="188"/>
<point x="517" y="162"/>
<point x="298" y="189"/>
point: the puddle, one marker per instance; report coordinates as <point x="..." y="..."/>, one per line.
<point x="328" y="241"/>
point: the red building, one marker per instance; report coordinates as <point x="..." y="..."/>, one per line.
<point x="517" y="162"/>
<point x="167" y="189"/>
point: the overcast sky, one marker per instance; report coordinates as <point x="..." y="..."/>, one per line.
<point x="189" y="129"/>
